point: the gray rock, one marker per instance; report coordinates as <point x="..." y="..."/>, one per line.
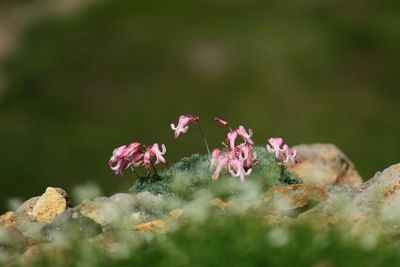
<point x="148" y="202"/>
<point x="375" y="200"/>
<point x="71" y="225"/>
<point x="23" y="214"/>
<point x="122" y="208"/>
<point x="382" y="192"/>
<point x="107" y="211"/>
<point x="124" y="201"/>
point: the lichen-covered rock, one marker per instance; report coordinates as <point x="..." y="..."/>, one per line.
<point x="148" y="202"/>
<point x="283" y="198"/>
<point x="7" y="220"/>
<point x="152" y="226"/>
<point x="11" y="239"/>
<point x="374" y="202"/>
<point x="52" y="203"/>
<point x="23" y="214"/>
<point x="108" y="211"/>
<point x="71" y="225"/>
<point x="323" y="165"/>
<point x="382" y="193"/>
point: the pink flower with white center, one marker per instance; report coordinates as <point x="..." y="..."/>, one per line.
<point x="221" y="121"/>
<point x="232" y="137"/>
<point x="275" y="147"/>
<point x="237" y="169"/>
<point x="290" y="155"/>
<point x="246" y="136"/>
<point x="135" y="160"/>
<point x="247" y="154"/>
<point x="131" y="149"/>
<point x="182" y="126"/>
<point x="215" y="157"/>
<point x="125" y="156"/>
<point x="116" y="162"/>
<point x="154" y="151"/>
<point x="222" y="163"/>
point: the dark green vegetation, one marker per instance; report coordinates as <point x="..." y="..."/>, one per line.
<point x="124" y="70"/>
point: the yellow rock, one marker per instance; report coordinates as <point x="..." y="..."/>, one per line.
<point x="8" y="219"/>
<point x="152" y="226"/>
<point x="49" y="205"/>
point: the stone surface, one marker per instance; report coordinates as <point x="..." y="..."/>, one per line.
<point x="284" y="198"/>
<point x="52" y="203"/>
<point x="381" y="192"/>
<point x="148" y="202"/>
<point x="23" y="214"/>
<point x="108" y="211"/>
<point x="323" y="165"/>
<point x="152" y="226"/>
<point x="297" y="197"/>
<point x="8" y="220"/>
<point x="376" y="200"/>
<point x="71" y="225"/>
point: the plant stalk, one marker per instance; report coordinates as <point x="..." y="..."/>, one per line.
<point x="204" y="137"/>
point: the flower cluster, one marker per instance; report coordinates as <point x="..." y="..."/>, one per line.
<point x="284" y="154"/>
<point x="239" y="159"/>
<point x="132" y="156"/>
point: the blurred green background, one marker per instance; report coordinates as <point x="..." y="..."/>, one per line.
<point x="77" y="85"/>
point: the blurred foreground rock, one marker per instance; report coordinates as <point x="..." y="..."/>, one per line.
<point x="374" y="204"/>
<point x="122" y="208"/>
<point x="288" y="198"/>
<point x="8" y="219"/>
<point x="332" y="192"/>
<point x="323" y="165"/>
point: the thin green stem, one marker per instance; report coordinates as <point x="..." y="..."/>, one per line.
<point x="204" y="138"/>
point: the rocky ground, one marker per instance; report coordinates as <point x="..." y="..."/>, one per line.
<point x="331" y="193"/>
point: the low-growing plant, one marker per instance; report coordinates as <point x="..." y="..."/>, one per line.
<point x="264" y="166"/>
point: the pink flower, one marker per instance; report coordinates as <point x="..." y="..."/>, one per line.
<point x="215" y="157"/>
<point x="284" y="154"/>
<point x="247" y="154"/>
<point x="237" y="159"/>
<point x="222" y="163"/>
<point x="182" y="126"/>
<point x="125" y="157"/>
<point x="232" y="137"/>
<point x="133" y="155"/>
<point x="290" y="155"/>
<point x="275" y="147"/>
<point x="221" y="121"/>
<point x="154" y="151"/>
<point x="116" y="162"/>
<point x="236" y="168"/>
<point x="246" y="136"/>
